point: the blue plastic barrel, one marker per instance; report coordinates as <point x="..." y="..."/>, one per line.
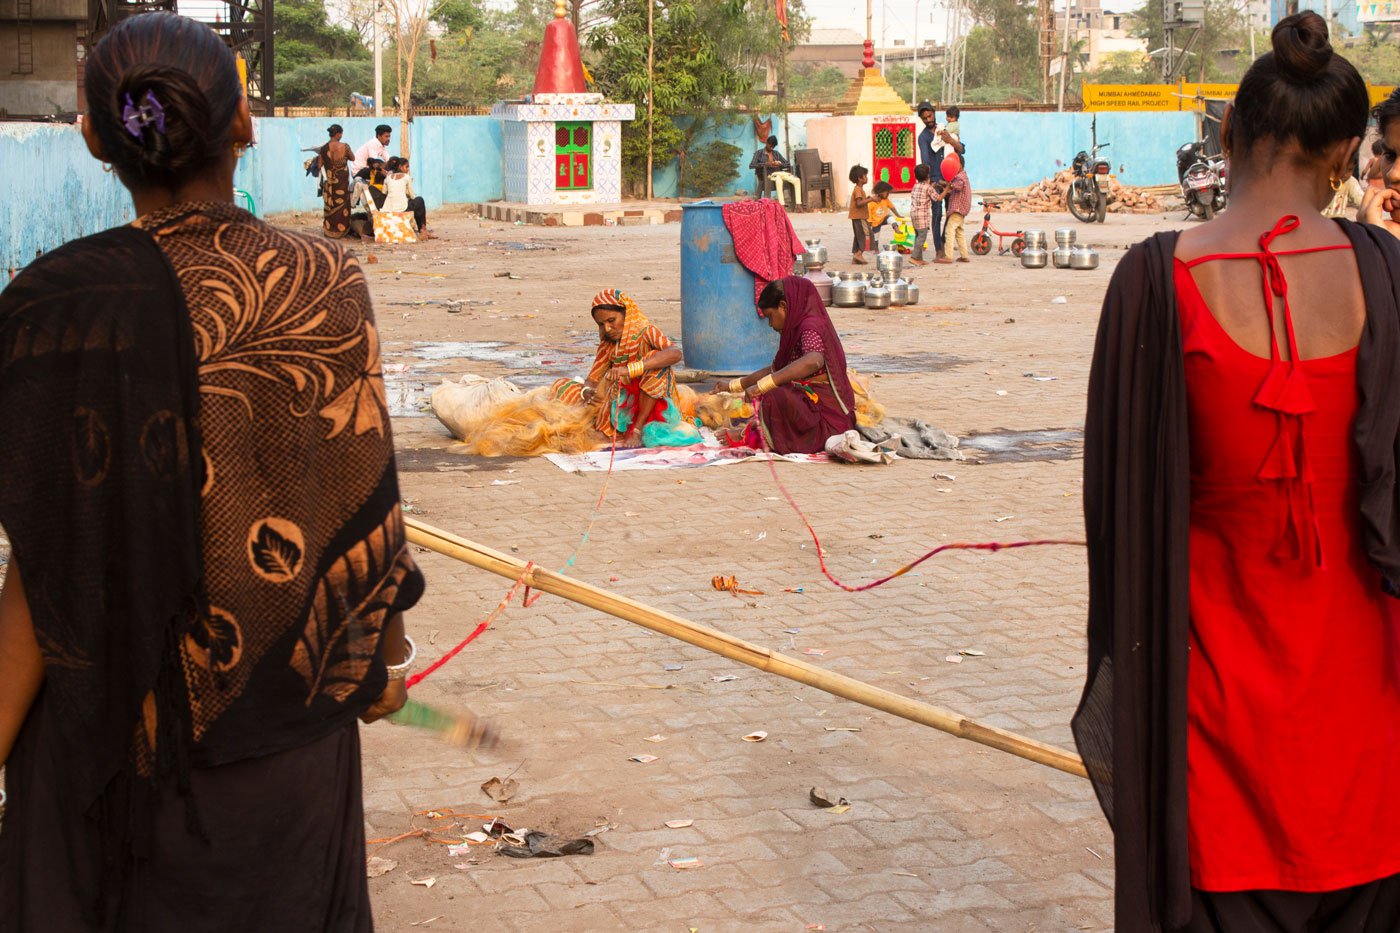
<point x="720" y="331"/>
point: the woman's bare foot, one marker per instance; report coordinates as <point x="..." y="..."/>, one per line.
<point x="860" y="260"/>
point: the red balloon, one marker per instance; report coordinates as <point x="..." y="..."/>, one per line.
<point x="951" y="166"/>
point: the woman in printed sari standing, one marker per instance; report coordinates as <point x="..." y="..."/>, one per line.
<point x="632" y="382"/>
<point x="805" y="396"/>
<point x="209" y="564"/>
<point x="336" y="157"/>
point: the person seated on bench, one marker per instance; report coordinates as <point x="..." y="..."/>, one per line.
<point x="768" y="163"/>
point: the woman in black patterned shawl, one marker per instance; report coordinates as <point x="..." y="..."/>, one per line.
<point x="209" y="567"/>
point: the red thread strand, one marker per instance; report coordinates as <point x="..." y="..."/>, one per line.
<point x="955" y="546"/>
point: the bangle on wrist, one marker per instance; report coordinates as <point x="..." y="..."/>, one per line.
<point x="400" y="671"/>
<point x="766" y="384"/>
<point x="736" y="386"/>
<point x="635" y="369"/>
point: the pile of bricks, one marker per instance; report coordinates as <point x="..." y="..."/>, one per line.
<point x="1048" y="196"/>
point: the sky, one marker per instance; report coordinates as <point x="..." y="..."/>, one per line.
<point x="899" y="17"/>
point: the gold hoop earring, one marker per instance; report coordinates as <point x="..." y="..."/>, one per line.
<point x="238" y="150"/>
<point x="107" y="166"/>
<point x="1335" y="182"/>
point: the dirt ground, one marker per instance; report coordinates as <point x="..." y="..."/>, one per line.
<point x="941" y="834"/>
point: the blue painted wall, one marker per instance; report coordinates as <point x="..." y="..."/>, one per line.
<point x="64" y="194"/>
<point x="457" y="160"/>
<point x="1005" y="150"/>
<point x="1013" y="150"/>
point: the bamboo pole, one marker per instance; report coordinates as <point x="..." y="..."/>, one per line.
<point x="450" y="545"/>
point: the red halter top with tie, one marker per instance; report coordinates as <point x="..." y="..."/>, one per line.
<point x="1293" y="741"/>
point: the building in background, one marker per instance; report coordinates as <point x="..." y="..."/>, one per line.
<point x="1345" y="13"/>
<point x="1101" y="32"/>
<point x="40" y="60"/>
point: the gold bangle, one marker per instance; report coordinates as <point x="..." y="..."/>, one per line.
<point x="736" y="386"/>
<point x="765" y="385"/>
<point x="635" y="369"/>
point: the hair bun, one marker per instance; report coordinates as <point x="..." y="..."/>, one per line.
<point x="1302" y="46"/>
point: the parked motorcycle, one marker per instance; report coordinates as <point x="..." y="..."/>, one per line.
<point x="1203" y="183"/>
<point x="1087" y="196"/>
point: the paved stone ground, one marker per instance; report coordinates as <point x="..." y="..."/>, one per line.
<point x="942" y="834"/>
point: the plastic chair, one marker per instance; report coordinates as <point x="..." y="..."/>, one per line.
<point x="245" y="200"/>
<point x="816" y="177"/>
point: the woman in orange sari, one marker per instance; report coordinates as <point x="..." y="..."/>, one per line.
<point x="632" y="382"/>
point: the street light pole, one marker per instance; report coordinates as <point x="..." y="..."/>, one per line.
<point x="378" y="63"/>
<point x="914" y="94"/>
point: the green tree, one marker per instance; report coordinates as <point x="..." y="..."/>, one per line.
<point x="901" y="78"/>
<point x="821" y="84"/>
<point x="991" y="79"/>
<point x="709" y="55"/>
<point x="1378" y="59"/>
<point x="325" y="84"/>
<point x="1011" y="31"/>
<point x="302" y="35"/>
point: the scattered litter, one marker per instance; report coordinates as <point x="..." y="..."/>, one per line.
<point x="673" y="666"/>
<point x="791" y="631"/>
<point x="655" y="738"/>
<point x="904" y="874"/>
<point x="507" y="275"/>
<point x="477" y="838"/>
<point x="839" y="809"/>
<point x="464" y="866"/>
<point x="683" y="864"/>
<point x="1093" y="853"/>
<point x="371" y="259"/>
<point x="843" y="728"/>
<point x="971" y="653"/>
<point x="1040" y="378"/>
<point x="643" y="759"/>
<point x="817" y="651"/>
<point x="614" y="579"/>
<point x="505" y="482"/>
<point x="815" y="926"/>
<point x="724" y="678"/>
<point x="826" y="801"/>
<point x="679" y="824"/>
<point x="731" y="585"/>
<point x="663" y="857"/>
<point x="948" y="476"/>
<point x="755" y="737"/>
<point x="501" y="791"/>
<point x="423" y="882"/>
<point x="761" y="536"/>
<point x="1004" y="518"/>
<point x="423" y="923"/>
<point x="954" y="659"/>
<point x="1001" y="392"/>
<point x="541" y="845"/>
<point x="792" y="589"/>
<point x="376" y="866"/>
<point x="1059" y="300"/>
<point x="496" y="828"/>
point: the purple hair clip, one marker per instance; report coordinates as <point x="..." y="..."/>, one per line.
<point x="137" y="118"/>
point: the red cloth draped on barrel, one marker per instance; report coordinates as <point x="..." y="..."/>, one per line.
<point x="764" y="240"/>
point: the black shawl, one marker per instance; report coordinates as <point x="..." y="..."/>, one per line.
<point x="1130" y="726"/>
<point x="99" y="494"/>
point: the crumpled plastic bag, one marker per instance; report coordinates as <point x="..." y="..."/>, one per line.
<point x="852" y="448"/>
<point x="542" y="845"/>
<point x="461" y="405"/>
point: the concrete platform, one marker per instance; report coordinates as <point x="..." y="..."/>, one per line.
<point x="627" y="214"/>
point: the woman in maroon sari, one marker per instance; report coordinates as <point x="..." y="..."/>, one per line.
<point x="805" y="397"/>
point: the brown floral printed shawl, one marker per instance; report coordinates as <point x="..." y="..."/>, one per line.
<point x="198" y="480"/>
<point x="303" y="543"/>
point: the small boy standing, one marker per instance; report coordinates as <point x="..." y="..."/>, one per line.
<point x="958" y="194"/>
<point x="881" y="209"/>
<point x="920" y="212"/>
<point x="858" y="211"/>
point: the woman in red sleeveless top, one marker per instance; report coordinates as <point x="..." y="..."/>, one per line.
<point x="1242" y="716"/>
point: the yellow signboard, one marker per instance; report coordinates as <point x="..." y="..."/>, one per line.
<point x="1173" y="96"/>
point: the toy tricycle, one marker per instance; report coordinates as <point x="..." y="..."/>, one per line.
<point x="903" y="240"/>
<point x="982" y="242"/>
